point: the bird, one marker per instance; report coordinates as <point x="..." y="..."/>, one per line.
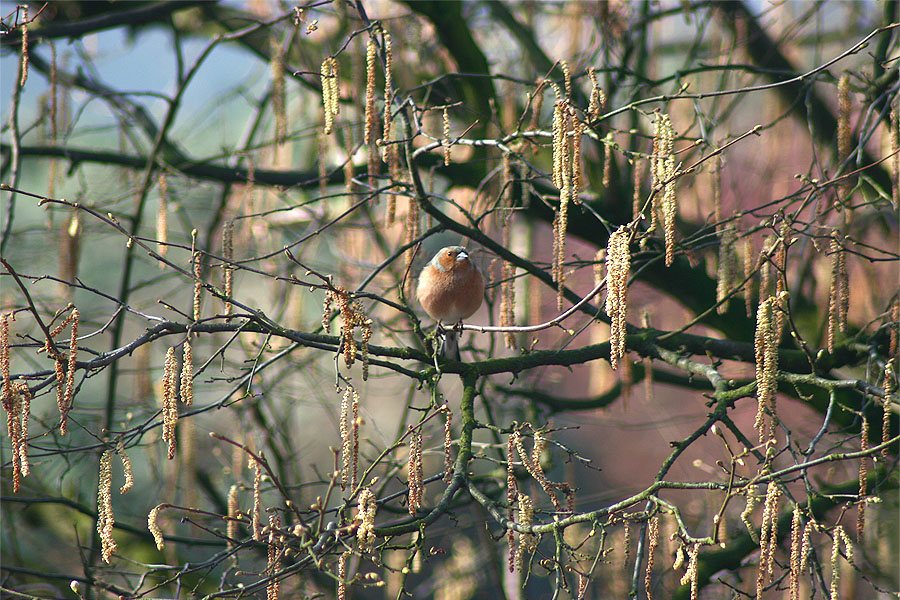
<point x="450" y="289"/>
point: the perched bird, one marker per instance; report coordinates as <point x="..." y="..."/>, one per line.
<point x="451" y="288"/>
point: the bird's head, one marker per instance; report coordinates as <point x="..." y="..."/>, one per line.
<point x="451" y="258"/>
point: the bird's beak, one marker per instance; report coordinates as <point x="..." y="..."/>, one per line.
<point x="461" y="256"/>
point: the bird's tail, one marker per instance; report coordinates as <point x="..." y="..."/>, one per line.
<point x="450" y="347"/>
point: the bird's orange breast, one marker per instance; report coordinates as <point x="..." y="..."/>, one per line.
<point x="451" y="295"/>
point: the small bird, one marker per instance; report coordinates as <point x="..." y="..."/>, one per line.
<point x="451" y="288"/>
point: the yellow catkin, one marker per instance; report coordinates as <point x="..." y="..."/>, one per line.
<point x="663" y="146"/>
<point x="169" y="408"/>
<point x="511" y="496"/>
<point x="768" y="538"/>
<point x="838" y="294"/>
<point x="567" y="79"/>
<point x="608" y="145"/>
<point x="796" y="535"/>
<point x="690" y="575"/>
<point x="848" y="545"/>
<point x="656" y="172"/>
<point x="863" y="480"/>
<point x="583" y="581"/>
<point x="231" y="526"/>
<point x="780" y="266"/>
<point x="618" y="262"/>
<point x="60" y="373"/>
<point x="532" y="464"/>
<point x="24" y="8"/>
<point x="369" y="131"/>
<point x="835" y="566"/>
<point x="22" y="398"/>
<point x="562" y="225"/>
<point x="894" y="327"/>
<point x="715" y="181"/>
<point x="69" y="390"/>
<point x="663" y="169"/>
<point x="255" y="526"/>
<point x="678" y="563"/>
<point x="559" y="142"/>
<point x="12" y="405"/>
<point x="352" y="317"/>
<point x="555" y="266"/>
<point x="772" y="497"/>
<point x="844" y="295"/>
<point x="126" y="466"/>
<point x="198" y="284"/>
<point x="330" y="91"/>
<point x="365" y="514"/>
<point x="387" y="132"/>
<point x="448" y="443"/>
<point x="334" y="83"/>
<point x="745" y="515"/>
<point x="278" y="90"/>
<point x="105" y="518"/>
<point x="806" y="544"/>
<point x="162" y="219"/>
<point x="273" y="565"/>
<point x="725" y="269"/>
<point x="577" y="170"/>
<point x="765" y="269"/>
<point x="7" y="389"/>
<point x="445" y="140"/>
<point x="653" y="542"/>
<point x="153" y="526"/>
<point x="227" y="267"/>
<point x="537" y="450"/>
<point x="342" y="576"/>
<point x="895" y="161"/>
<point x="626" y="544"/>
<point x="354" y="464"/>
<point x="58" y="329"/>
<point x="508" y="303"/>
<point x="668" y="208"/>
<point x="749" y="267"/>
<point x="766" y="350"/>
<point x="598" y="97"/>
<point x="349" y="427"/>
<point x="412" y="231"/>
<point x="414" y="471"/>
<point x="844" y="141"/>
<point x="527" y="542"/>
<point x="344" y="427"/>
<point x="890" y="387"/>
<point x="187" y="375"/>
